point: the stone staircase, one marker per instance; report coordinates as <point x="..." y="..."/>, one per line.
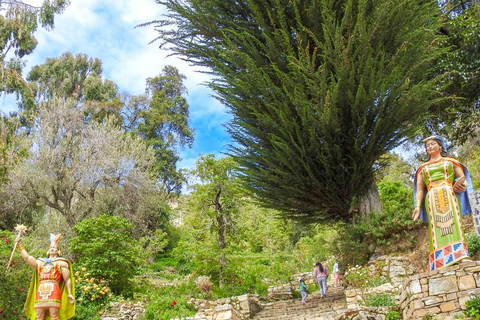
<point x="316" y="308"/>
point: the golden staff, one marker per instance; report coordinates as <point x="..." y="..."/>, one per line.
<point x="20" y="228"/>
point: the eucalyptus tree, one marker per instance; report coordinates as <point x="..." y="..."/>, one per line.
<point x="19" y="21"/>
<point x="160" y="116"/>
<point x="79" y="78"/>
<point x="319" y="90"/>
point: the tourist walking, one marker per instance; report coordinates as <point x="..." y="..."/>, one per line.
<point x="336" y="272"/>
<point x="321" y="273"/>
<point x="303" y="289"/>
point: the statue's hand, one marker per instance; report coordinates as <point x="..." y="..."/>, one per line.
<point x="460" y="185"/>
<point x="71" y="299"/>
<point x="416" y="213"/>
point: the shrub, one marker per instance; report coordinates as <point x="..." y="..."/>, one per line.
<point x="473" y="308"/>
<point x="154" y="244"/>
<point x="473" y="243"/>
<point x="393" y="315"/>
<point x="92" y="295"/>
<point x="204" y="284"/>
<point x="105" y="246"/>
<point x="365" y="276"/>
<point x="167" y="303"/>
<point x="379" y="300"/>
<point x="15" y="283"/>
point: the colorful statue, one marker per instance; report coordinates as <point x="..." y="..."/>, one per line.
<point x="441" y="198"/>
<point x="52" y="293"/>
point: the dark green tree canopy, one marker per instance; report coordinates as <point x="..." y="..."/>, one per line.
<point x="461" y="24"/>
<point x="319" y="90"/>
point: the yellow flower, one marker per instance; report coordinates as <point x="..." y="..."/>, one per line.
<point x="100" y="312"/>
<point x="77" y="274"/>
<point x="84" y="269"/>
<point x="80" y="299"/>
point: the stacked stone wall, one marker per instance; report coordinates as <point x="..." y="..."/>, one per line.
<point x="441" y="293"/>
<point x="235" y="308"/>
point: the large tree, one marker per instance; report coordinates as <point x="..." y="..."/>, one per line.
<point x="460" y="118"/>
<point x="319" y="90"/>
<point x="79" y="78"/>
<point x="215" y="196"/>
<point x="160" y="116"/>
<point x="18" y="22"/>
<point x="83" y="168"/>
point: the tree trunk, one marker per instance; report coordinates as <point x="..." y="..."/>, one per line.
<point x="221" y="246"/>
<point x="370" y="202"/>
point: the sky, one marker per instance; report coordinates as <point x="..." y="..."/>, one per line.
<point x="105" y="29"/>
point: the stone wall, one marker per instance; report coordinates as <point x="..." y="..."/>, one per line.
<point x="441" y="293"/>
<point x="396" y="270"/>
<point x="234" y="308"/>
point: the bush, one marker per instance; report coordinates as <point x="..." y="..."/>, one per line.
<point x="393" y="315"/>
<point x="379" y="300"/>
<point x="365" y="276"/>
<point x="15" y="283"/>
<point x="473" y="244"/>
<point x="105" y="246"/>
<point x="204" y="284"/>
<point x="473" y="308"/>
<point x="167" y="303"/>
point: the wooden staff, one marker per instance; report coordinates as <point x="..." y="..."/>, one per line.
<point x="20" y="228"/>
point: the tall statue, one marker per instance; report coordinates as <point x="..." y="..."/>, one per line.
<point x="441" y="187"/>
<point x="51" y="294"/>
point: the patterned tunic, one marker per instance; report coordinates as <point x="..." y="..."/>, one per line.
<point x="447" y="240"/>
<point x="49" y="293"/>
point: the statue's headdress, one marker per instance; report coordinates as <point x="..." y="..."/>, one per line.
<point x="437" y="137"/>
<point x="54" y="239"/>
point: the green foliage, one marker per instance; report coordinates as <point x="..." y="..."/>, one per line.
<point x="473" y="164"/>
<point x="352" y="72"/>
<point x="473" y="243"/>
<point x="105" y="246"/>
<point x="365" y="276"/>
<point x="473" y="308"/>
<point x="379" y="300"/>
<point x="389" y="229"/>
<point x="155" y="243"/>
<point x="18" y="25"/>
<point x="91" y="294"/>
<point x="15" y="283"/>
<point x="393" y="315"/>
<point x="166" y="303"/>
<point x="310" y="249"/>
<point x="462" y="65"/>
<point x="163" y="123"/>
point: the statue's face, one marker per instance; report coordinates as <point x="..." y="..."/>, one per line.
<point x="53" y="250"/>
<point x="432" y="147"/>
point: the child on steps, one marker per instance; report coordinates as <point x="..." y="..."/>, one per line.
<point x="303" y="289"/>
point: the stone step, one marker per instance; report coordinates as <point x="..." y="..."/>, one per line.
<point x="316" y="307"/>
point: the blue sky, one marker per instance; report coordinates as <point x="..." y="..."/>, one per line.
<point x="105" y="29"/>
